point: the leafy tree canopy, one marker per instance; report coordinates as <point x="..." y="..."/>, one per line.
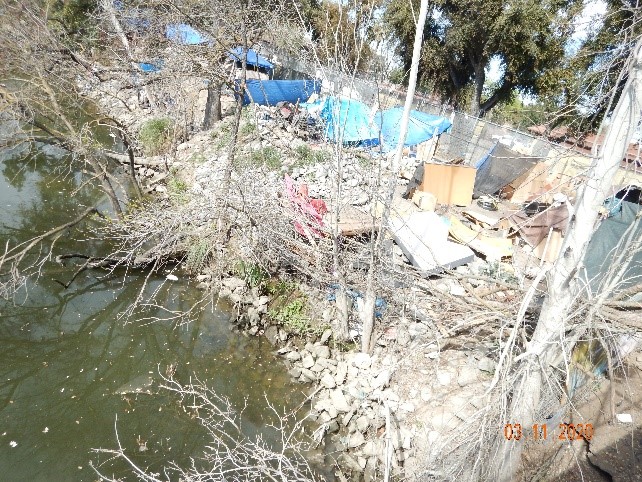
<point x="461" y="38"/>
<point x="590" y="81"/>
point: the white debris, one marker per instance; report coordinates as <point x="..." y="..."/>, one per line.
<point x="624" y="418"/>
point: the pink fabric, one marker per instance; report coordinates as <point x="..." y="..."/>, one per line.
<point x="310" y="210"/>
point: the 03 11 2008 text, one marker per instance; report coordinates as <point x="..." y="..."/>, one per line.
<point x="541" y="431"/>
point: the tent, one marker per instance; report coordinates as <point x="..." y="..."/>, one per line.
<point x="351" y="117"/>
<point x="498" y="168"/>
<point x="270" y="92"/>
<point x="421" y="126"/>
<point x="603" y="252"/>
<point x="253" y="58"/>
<point x="184" y="34"/>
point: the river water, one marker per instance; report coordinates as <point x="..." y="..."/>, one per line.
<point x="70" y="362"/>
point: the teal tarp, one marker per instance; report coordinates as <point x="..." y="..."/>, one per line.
<point x="362" y="128"/>
<point x="421" y="127"/>
<point x="350" y="117"/>
<point x="603" y="253"/>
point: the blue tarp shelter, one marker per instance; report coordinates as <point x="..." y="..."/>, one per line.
<point x="270" y="92"/>
<point x="350" y="116"/>
<point x="421" y="126"/>
<point x="253" y="58"/>
<point x="184" y="34"/>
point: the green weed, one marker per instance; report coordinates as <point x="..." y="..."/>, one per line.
<point x="156" y="136"/>
<point x="248" y="129"/>
<point x="267" y="156"/>
<point x="306" y="156"/>
<point x="253" y="274"/>
<point x="197" y="255"/>
<point x="177" y="190"/>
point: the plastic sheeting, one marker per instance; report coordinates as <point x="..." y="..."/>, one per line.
<point x="499" y="168"/>
<point x="348" y="120"/>
<point x="184" y="34"/>
<point x="149" y="67"/>
<point x="603" y="249"/>
<point x="270" y="92"/>
<point x="253" y="58"/>
<point x="421" y="127"/>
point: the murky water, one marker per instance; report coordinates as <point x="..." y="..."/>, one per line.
<point x="70" y="363"/>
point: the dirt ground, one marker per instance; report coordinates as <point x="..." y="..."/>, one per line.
<point x="614" y="452"/>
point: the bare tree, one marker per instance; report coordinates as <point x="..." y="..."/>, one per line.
<point x="230" y="454"/>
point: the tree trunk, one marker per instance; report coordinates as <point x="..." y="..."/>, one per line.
<point x="368" y="310"/>
<point x="480" y="79"/>
<point x="564" y="283"/>
<point x="212" y="105"/>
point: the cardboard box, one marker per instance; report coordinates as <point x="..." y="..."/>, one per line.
<point x="450" y="183"/>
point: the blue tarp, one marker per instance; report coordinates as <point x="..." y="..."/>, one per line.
<point x="352" y="117"/>
<point x="184" y="34"/>
<point x="421" y="126"/>
<point x="149" y="67"/>
<point x="253" y="58"/>
<point x="270" y="92"/>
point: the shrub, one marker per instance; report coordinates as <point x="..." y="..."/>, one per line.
<point x="155" y="136"/>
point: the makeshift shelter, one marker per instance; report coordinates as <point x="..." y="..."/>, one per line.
<point x="604" y="253"/>
<point x="421" y="127"/>
<point x="499" y="168"/>
<point x="348" y="120"/>
<point x="253" y="59"/>
<point x="270" y="92"/>
<point x="185" y="34"/>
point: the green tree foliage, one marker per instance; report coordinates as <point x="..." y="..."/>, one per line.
<point x="592" y="69"/>
<point x="74" y="16"/>
<point x="461" y="38"/>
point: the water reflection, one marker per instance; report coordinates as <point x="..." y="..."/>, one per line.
<point x="66" y="355"/>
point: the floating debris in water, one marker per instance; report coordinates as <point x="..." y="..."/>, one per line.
<point x="13" y="443"/>
<point x="172" y="277"/>
<point x="45" y="430"/>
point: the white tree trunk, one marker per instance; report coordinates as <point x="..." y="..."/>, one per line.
<point x="564" y="285"/>
<point x="367" y="314"/>
<point x="412" y="83"/>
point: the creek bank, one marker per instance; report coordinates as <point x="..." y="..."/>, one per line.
<point x="397" y="405"/>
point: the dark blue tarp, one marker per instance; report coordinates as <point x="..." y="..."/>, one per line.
<point x="350" y="116"/>
<point x="184" y="34"/>
<point x="253" y="58"/>
<point x="270" y="92"/>
<point x="421" y="126"/>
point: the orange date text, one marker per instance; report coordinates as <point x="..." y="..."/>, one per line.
<point x="542" y="431"/>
